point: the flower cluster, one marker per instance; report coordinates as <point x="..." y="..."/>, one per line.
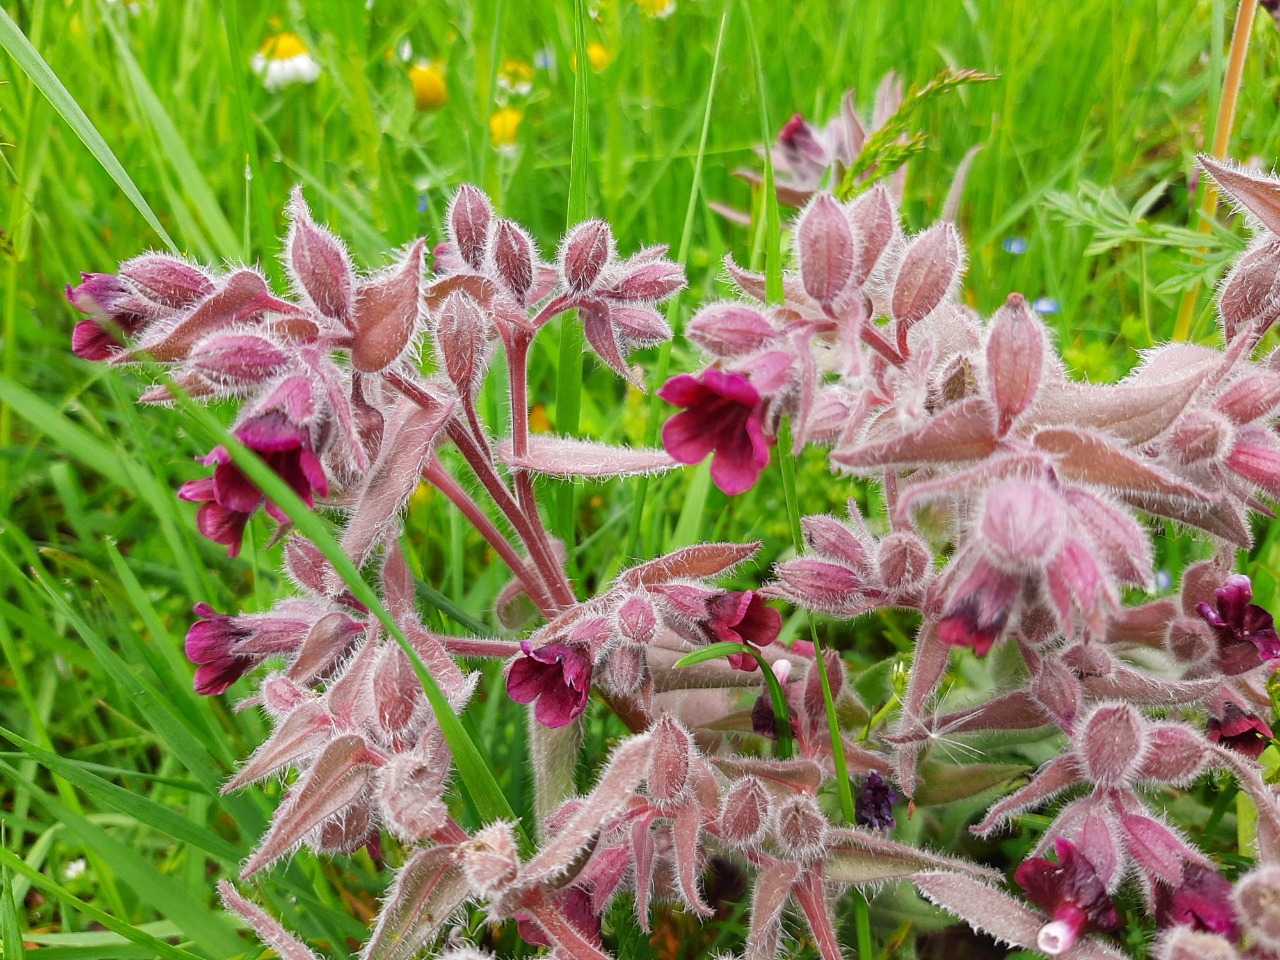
<point x="1014" y="520"/>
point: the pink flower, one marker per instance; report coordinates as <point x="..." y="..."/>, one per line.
<point x="722" y="415"/>
<point x="557" y="675"/>
<point x="742" y="618"/>
<point x="1201" y="901"/>
<point x="1071" y="892"/>
<point x="104" y="298"/>
<point x="1240" y="731"/>
<point x="211" y="643"/>
<point x="229" y="498"/>
<point x="1245" y="630"/>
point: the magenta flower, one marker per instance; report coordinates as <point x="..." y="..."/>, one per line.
<point x="229" y="498"/>
<point x="742" y="618"/>
<point x="1071" y="892"/>
<point x="1246" y="632"/>
<point x="104" y="299"/>
<point x="557" y="675"/>
<point x="722" y="415"/>
<point x="979" y="610"/>
<point x="1201" y="901"/>
<point x="211" y="644"/>
<point x="1240" y="730"/>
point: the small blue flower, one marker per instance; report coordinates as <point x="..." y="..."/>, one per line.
<point x="1163" y="581"/>
<point x="1015" y="245"/>
<point x="1045" y="306"/>
<point x="545" y="59"/>
<point x="422" y="203"/>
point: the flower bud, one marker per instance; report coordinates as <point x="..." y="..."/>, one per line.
<point x="624" y="670"/>
<point x="668" y="777"/>
<point x="1257" y="901"/>
<point x="874" y="221"/>
<point x="469" y="216"/>
<point x="462" y="338"/>
<point x="928" y="270"/>
<point x="1198" y="436"/>
<point x="744" y="814"/>
<point x="1016" y="350"/>
<point x="511" y="254"/>
<point x="166" y="280"/>
<point x="1022" y="522"/>
<point x="1112" y="742"/>
<point x="905" y="561"/>
<point x="1251" y="293"/>
<point x="490" y="859"/>
<point x="1191" y="642"/>
<point x="586" y="251"/>
<point x="637" y="619"/>
<point x="825" y="248"/>
<point x="1184" y="943"/>
<point x="730" y="329"/>
<point x="801" y="830"/>
<point x="832" y="539"/>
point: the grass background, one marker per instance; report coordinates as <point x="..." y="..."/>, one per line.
<point x="107" y="755"/>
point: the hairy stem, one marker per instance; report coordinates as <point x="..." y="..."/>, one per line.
<point x="435" y="474"/>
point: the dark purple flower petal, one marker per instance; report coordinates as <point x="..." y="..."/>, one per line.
<point x="1201" y="901"/>
<point x="722" y="417"/>
<point x="1240" y="731"/>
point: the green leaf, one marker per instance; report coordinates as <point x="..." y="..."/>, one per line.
<point x="782" y="716"/>
<point x="46" y="81"/>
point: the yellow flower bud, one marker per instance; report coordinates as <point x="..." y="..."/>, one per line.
<point x="503" y="126"/>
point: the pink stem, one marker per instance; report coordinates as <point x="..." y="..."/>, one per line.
<point x="435" y="474"/>
<point x="480" y="647"/>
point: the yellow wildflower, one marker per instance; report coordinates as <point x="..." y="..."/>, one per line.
<point x="516" y="77"/>
<point x="658" y="9"/>
<point x="598" y="56"/>
<point x="284" y="59"/>
<point x="503" y="126"/>
<point x="429" y="89"/>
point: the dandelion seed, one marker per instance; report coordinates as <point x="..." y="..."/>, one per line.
<point x="657" y="9"/>
<point x="284" y="60"/>
<point x="1015" y="245"/>
<point x="503" y="127"/>
<point x="516" y="78"/>
<point x="1046" y="306"/>
<point x="429" y="89"/>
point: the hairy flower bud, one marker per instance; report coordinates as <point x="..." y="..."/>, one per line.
<point x="801" y="830"/>
<point x="1112" y="742"/>
<point x="1257" y="901"/>
<point x="512" y="256"/>
<point x="1022" y="522"/>
<point x="637" y="619"/>
<point x="930" y="267"/>
<point x="1251" y="293"/>
<point x="874" y="221"/>
<point x="624" y="670"/>
<point x="730" y="329"/>
<point x="586" y="251"/>
<point x="1198" y="436"/>
<point x="469" y="215"/>
<point x="825" y="247"/>
<point x="745" y="814"/>
<point x="490" y="859"/>
<point x="167" y="281"/>
<point x="1016" y="348"/>
<point x="905" y="561"/>
<point x="462" y="338"/>
<point x="668" y="777"/>
<point x="1184" y="943"/>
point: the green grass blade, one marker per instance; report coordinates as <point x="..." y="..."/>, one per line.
<point x="569" y="371"/>
<point x="210" y="928"/>
<point x="158" y="947"/>
<point x="144" y="810"/>
<point x="33" y="65"/>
